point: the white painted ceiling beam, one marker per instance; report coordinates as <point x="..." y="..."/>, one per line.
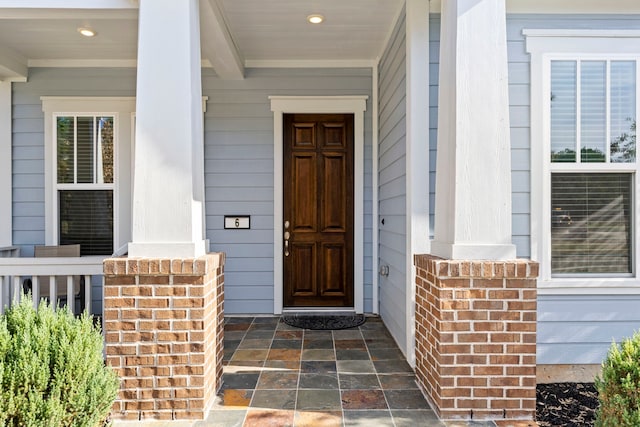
<point x="217" y="43"/>
<point x="13" y="66"/>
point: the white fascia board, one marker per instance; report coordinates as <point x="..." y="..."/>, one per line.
<point x="217" y="42"/>
<point x="12" y="65"/>
<point x="310" y="63"/>
<point x="82" y="63"/>
<point x="69" y="4"/>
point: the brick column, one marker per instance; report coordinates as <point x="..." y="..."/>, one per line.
<point x="476" y="337"/>
<point x="163" y="322"/>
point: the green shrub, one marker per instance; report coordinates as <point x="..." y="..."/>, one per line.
<point x="51" y="369"/>
<point x="619" y="387"/>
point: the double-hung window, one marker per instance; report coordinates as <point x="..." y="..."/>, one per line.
<point x="584" y="165"/>
<point x="88" y="172"/>
<point x="85" y="181"/>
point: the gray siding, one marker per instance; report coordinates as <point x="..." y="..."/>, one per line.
<point x="392" y="183"/>
<point x="28" y="144"/>
<point x="239" y="173"/>
<point x="571" y="329"/>
<point x="238" y="162"/>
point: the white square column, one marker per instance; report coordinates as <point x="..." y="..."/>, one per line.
<point x="473" y="169"/>
<point x="168" y="192"/>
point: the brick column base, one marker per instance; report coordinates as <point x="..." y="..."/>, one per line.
<point x="476" y="337"/>
<point x="164" y="326"/>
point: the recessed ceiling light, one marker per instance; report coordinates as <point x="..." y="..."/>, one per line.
<point x="315" y="19"/>
<point x="87" y="32"/>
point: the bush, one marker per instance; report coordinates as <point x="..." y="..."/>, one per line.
<point x="51" y="369"/>
<point x="619" y="387"/>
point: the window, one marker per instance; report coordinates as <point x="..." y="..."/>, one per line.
<point x="85" y="165"/>
<point x="583" y="149"/>
<point x="88" y="172"/>
<point x="592" y="122"/>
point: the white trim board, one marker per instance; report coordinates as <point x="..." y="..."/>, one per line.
<point x="355" y="105"/>
<point x="6" y="180"/>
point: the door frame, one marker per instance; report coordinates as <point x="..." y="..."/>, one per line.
<point x="355" y="105"/>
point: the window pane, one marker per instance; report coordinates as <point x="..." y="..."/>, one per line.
<point x="593" y="111"/>
<point x="591" y="223"/>
<point x="105" y="150"/>
<point x="86" y="217"/>
<point x="64" y="142"/>
<point x="563" y="111"/>
<point x="623" y="111"/>
<point x="85" y="149"/>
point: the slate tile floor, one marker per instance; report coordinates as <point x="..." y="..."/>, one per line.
<point x="278" y="375"/>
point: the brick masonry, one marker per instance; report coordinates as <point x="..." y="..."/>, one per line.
<point x="164" y="326"/>
<point x="476" y="337"/>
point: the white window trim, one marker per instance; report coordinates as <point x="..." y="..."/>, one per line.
<point x="355" y="105"/>
<point x="556" y="44"/>
<point x="119" y="107"/>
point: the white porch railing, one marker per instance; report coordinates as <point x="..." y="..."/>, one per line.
<point x="15" y="271"/>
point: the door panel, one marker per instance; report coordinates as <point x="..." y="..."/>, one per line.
<point x="318" y="210"/>
<point x="305" y="192"/>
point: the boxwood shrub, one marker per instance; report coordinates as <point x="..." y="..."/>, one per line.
<point x="619" y="387"/>
<point x="52" y="371"/>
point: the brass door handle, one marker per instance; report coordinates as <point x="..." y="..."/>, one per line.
<point x="286" y="238"/>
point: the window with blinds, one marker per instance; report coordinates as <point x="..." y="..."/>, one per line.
<point x="592" y="166"/>
<point x="591" y="221"/>
<point x="85" y="171"/>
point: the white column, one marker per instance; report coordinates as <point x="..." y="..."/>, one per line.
<point x="6" y="180"/>
<point x="417" y="151"/>
<point x="473" y="175"/>
<point x="168" y="192"/>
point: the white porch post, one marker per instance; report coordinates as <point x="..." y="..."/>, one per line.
<point x="168" y="194"/>
<point x="473" y="178"/>
<point x="6" y="180"/>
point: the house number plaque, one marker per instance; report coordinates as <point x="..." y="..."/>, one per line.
<point x="237" y="222"/>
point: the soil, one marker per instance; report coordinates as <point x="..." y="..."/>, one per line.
<point x="566" y="404"/>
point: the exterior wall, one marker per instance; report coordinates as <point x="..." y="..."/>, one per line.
<point x="572" y="329"/>
<point x="239" y="172"/>
<point x="238" y="162"/>
<point x="28" y="144"/>
<point x="392" y="183"/>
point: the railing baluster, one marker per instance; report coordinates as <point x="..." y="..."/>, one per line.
<point x="87" y="293"/>
<point x="70" y="298"/>
<point x="35" y="290"/>
<point x="17" y="289"/>
<point x="3" y="286"/>
<point x="53" y="292"/>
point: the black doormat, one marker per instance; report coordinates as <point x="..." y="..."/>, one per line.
<point x="324" y="321"/>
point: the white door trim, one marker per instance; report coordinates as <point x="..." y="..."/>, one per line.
<point x="355" y="105"/>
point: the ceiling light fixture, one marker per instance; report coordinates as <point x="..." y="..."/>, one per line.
<point x="315" y="19"/>
<point x="87" y="32"/>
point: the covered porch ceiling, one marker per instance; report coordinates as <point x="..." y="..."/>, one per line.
<point x="235" y="34"/>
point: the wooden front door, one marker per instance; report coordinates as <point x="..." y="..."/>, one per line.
<point x="318" y="210"/>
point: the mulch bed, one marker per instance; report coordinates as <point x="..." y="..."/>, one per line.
<point x="566" y="404"/>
